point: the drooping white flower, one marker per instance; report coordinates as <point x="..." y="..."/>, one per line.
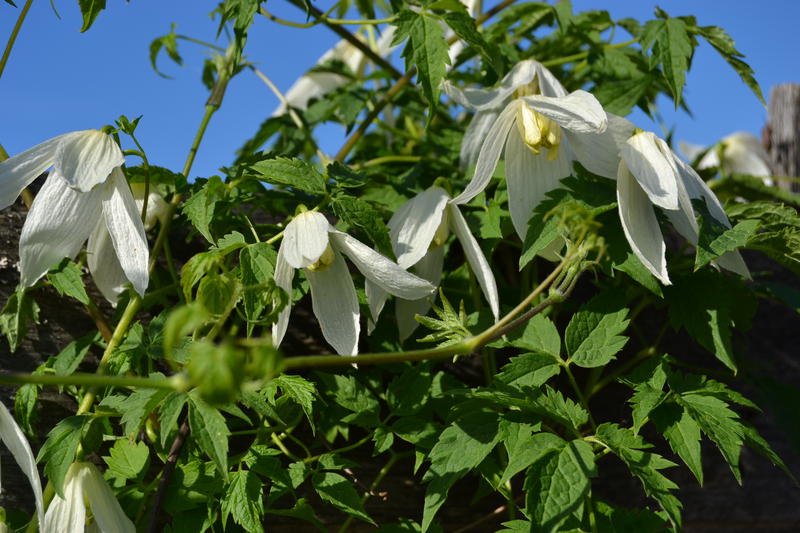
<point x="737" y="153"/>
<point x="17" y="444"/>
<point x="418" y="231"/>
<point x="539" y="151"/>
<point x="649" y="173"/>
<point x="311" y="243"/>
<point x="83" y="485"/>
<point x="86" y="196"/>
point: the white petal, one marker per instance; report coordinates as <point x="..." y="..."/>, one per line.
<point x="377" y="268"/>
<point x="490" y="152"/>
<point x="101" y="258"/>
<point x="652" y="163"/>
<point x="305" y="239"/>
<point x="690" y="150"/>
<point x="67" y="514"/>
<point x="476" y="133"/>
<point x="284" y="274"/>
<point x="711" y="159"/>
<point x="414" y="225"/>
<point x="429" y="268"/>
<point x="17" y="444"/>
<point x="57" y="225"/>
<point x="599" y="152"/>
<point x="376" y="300"/>
<point x="578" y="111"/>
<point x="640" y="225"/>
<point x="107" y="512"/>
<point x="335" y="304"/>
<point x="18" y="171"/>
<point x="157" y="207"/>
<point x="528" y="178"/>
<point x="125" y="227"/>
<point x="86" y="158"/>
<point x="477" y="261"/>
<point x="548" y="84"/>
<point x="743" y="153"/>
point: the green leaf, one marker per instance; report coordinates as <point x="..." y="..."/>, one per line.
<point x="426" y="48"/>
<point x="127" y="459"/>
<point x="540" y="335"/>
<point x="66" y="278"/>
<point x="524" y="452"/>
<point x="644" y="465"/>
<point x="354" y="396"/>
<point x="593" y="337"/>
<point x="409" y="392"/>
<point x="673" y="47"/>
<point x="72" y="355"/>
<point x="169" y="43"/>
<point x="58" y="451"/>
<point x="293" y="173"/>
<point x="199" y="208"/>
<point x="719" y="423"/>
<point x="459" y="449"/>
<point x="90" y="9"/>
<point x="170" y="410"/>
<point x="464" y="26"/>
<point x="340" y="493"/>
<point x="25" y="413"/>
<point x="615" y="520"/>
<point x="556" y="485"/>
<point x="683" y="435"/>
<point x="134" y="408"/>
<point x="244" y="501"/>
<point x="257" y="265"/>
<point x="208" y="427"/>
<point x="529" y="371"/>
<point x="722" y="43"/>
<point x="644" y="400"/>
<point x="300" y="390"/>
<point x="619" y="97"/>
<point x="362" y="215"/>
<point x="715" y="239"/>
<point x="216" y="293"/>
<point x="20" y="309"/>
<point x="345" y="176"/>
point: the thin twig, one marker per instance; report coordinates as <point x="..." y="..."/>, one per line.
<point x="166" y="476"/>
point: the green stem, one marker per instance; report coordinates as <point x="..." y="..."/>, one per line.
<point x="343" y="449"/>
<point x="13" y="37"/>
<point x="175" y="383"/>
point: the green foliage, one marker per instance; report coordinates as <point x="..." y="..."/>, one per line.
<point x="66" y="278"/>
<point x="426" y="49"/>
<point x="90" y="9"/>
<point x="19" y="311"/>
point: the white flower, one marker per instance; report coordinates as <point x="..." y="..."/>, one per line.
<point x="649" y="173"/>
<point x="311" y="243"/>
<point x="86" y="196"/>
<point x="418" y="231"/>
<point x="17" y="444"/>
<point x="85" y="484"/>
<point x="738" y="153"/>
<point x="550" y="127"/>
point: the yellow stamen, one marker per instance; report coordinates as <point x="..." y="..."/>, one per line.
<point x="324" y="261"/>
<point x="442" y="232"/>
<point x="538" y="131"/>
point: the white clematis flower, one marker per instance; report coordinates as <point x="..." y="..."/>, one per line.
<point x="17" y="444"/>
<point x="738" y="153"/>
<point x="649" y="173"/>
<point x="418" y="231"/>
<point x="539" y="151"/>
<point x="311" y="243"/>
<point x="85" y="484"/>
<point x="86" y="196"/>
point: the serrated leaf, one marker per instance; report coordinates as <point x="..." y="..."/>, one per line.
<point x="540" y="335"/>
<point x="340" y="493"/>
<point x="135" y="407"/>
<point x="426" y="49"/>
<point x="682" y="434"/>
<point x="170" y="410"/>
<point x="528" y="371"/>
<point x="345" y="176"/>
<point x="89" y="10"/>
<point x="619" y="97"/>
<point x="15" y="315"/>
<point x="293" y="173"/>
<point x="243" y="501"/>
<point x="459" y="449"/>
<point x="360" y="214"/>
<point x="66" y="278"/>
<point x="557" y="484"/>
<point x="200" y="207"/>
<point x="592" y="337"/>
<point x="300" y="390"/>
<point x="216" y="292"/>
<point x="408" y="392"/>
<point x="643" y="401"/>
<point x="673" y="47"/>
<point x="169" y="43"/>
<point x="257" y="265"/>
<point x="127" y="459"/>
<point x="72" y="355"/>
<point x="464" y="26"/>
<point x="58" y="451"/>
<point x="526" y="451"/>
<point x="25" y="401"/>
<point x="722" y="43"/>
<point x="211" y="432"/>
<point x="719" y="423"/>
<point x="715" y="239"/>
<point x="644" y="465"/>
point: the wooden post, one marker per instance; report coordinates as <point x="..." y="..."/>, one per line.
<point x="783" y="133"/>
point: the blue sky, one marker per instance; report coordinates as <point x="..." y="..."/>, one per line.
<point x="60" y="80"/>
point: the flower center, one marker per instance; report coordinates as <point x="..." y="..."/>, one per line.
<point x="538" y="131"/>
<point x="324" y="261"/>
<point x="442" y="232"/>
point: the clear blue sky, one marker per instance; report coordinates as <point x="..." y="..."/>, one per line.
<point x="60" y="80"/>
